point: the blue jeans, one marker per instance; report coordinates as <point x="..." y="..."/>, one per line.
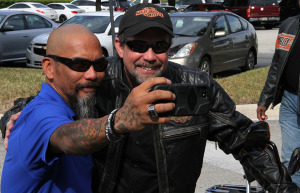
<point x="289" y="121"/>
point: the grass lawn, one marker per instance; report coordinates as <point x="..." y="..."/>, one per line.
<point x="243" y="88"/>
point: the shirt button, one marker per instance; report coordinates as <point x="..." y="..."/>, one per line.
<point x="137" y="142"/>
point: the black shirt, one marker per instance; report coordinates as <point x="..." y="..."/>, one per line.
<point x="292" y="68"/>
<point x="138" y="162"/>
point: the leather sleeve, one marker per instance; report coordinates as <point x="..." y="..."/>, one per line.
<point x="265" y="170"/>
<point x="19" y="104"/>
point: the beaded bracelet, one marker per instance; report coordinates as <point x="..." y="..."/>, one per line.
<point x="111" y="135"/>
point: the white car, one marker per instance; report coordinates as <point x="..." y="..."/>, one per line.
<point x="65" y="10"/>
<point x="86" y="5"/>
<point x="97" y="22"/>
<point x="35" y="8"/>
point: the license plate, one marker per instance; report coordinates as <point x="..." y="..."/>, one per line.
<point x="264" y="19"/>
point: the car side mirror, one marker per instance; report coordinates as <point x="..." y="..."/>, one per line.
<point x="294" y="164"/>
<point x="220" y="34"/>
<point x="7" y="28"/>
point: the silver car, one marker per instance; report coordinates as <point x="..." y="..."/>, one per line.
<point x="96" y="22"/>
<point x="213" y="41"/>
<point x="17" y="29"/>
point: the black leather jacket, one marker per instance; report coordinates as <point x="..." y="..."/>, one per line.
<point x="179" y="147"/>
<point x="274" y="87"/>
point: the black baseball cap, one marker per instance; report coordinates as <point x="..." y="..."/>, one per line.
<point x="143" y="16"/>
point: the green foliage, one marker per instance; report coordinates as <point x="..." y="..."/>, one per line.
<point x="6" y="3"/>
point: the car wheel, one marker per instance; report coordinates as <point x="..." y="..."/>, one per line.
<point x="205" y="65"/>
<point x="268" y="26"/>
<point x="250" y="61"/>
<point x="62" y="18"/>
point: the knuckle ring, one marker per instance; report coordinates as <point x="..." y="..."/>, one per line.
<point x="151" y="111"/>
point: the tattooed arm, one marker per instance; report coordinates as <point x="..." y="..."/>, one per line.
<point x="88" y="135"/>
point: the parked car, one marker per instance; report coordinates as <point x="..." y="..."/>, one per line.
<point x="213" y="41"/>
<point x="65" y="10"/>
<point x="182" y="4"/>
<point x="168" y="8"/>
<point x="204" y="7"/>
<point x="118" y="5"/>
<point x="90" y="5"/>
<point x="35" y="8"/>
<point x="17" y="29"/>
<point x="96" y="22"/>
<point x="288" y="8"/>
<point x="86" y="5"/>
<point x="258" y="12"/>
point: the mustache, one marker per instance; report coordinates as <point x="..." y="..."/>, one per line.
<point x="87" y="85"/>
<point x="146" y="64"/>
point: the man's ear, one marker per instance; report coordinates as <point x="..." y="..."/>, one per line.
<point x="119" y="47"/>
<point x="48" y="67"/>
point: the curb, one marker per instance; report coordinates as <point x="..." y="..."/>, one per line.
<point x="249" y="110"/>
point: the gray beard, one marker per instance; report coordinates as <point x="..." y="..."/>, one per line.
<point x="84" y="107"/>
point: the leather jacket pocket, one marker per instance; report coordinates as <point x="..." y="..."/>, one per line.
<point x="183" y="132"/>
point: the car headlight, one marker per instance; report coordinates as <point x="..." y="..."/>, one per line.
<point x="185" y="50"/>
<point x="29" y="46"/>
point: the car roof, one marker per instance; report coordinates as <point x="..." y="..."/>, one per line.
<point x="200" y="13"/>
<point x="29" y="3"/>
<point x="102" y="13"/>
<point x="12" y="12"/>
<point x="60" y="3"/>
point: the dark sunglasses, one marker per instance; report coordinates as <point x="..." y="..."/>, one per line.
<point x="142" y="46"/>
<point x="81" y="64"/>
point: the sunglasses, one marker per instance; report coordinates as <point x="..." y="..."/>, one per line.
<point x="142" y="46"/>
<point x="81" y="64"/>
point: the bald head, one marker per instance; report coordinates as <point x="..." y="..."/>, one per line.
<point x="69" y="37"/>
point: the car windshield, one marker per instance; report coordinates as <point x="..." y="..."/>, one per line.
<point x="188" y="2"/>
<point x="190" y="26"/>
<point x="96" y="24"/>
<point x="38" y="5"/>
<point x="72" y="6"/>
<point x="263" y="2"/>
<point x="2" y="17"/>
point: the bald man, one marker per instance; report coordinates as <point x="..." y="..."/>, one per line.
<point x="48" y="151"/>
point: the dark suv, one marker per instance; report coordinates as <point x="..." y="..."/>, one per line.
<point x="258" y="12"/>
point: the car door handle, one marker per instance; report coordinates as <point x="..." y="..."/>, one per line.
<point x="25" y="36"/>
<point x="246" y="37"/>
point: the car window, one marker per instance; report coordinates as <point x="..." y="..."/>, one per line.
<point x="190" y="26"/>
<point x="234" y="23"/>
<point x="84" y="3"/>
<point x="270" y="2"/>
<point x="96" y="24"/>
<point x="221" y="25"/>
<point x="38" y="5"/>
<point x="244" y="23"/>
<point x="19" y="6"/>
<point x="2" y="17"/>
<point x="72" y="6"/>
<point x="16" y="21"/>
<point x="242" y="3"/>
<point x="36" y="22"/>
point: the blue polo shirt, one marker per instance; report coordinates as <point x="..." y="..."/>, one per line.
<point x="26" y="167"/>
